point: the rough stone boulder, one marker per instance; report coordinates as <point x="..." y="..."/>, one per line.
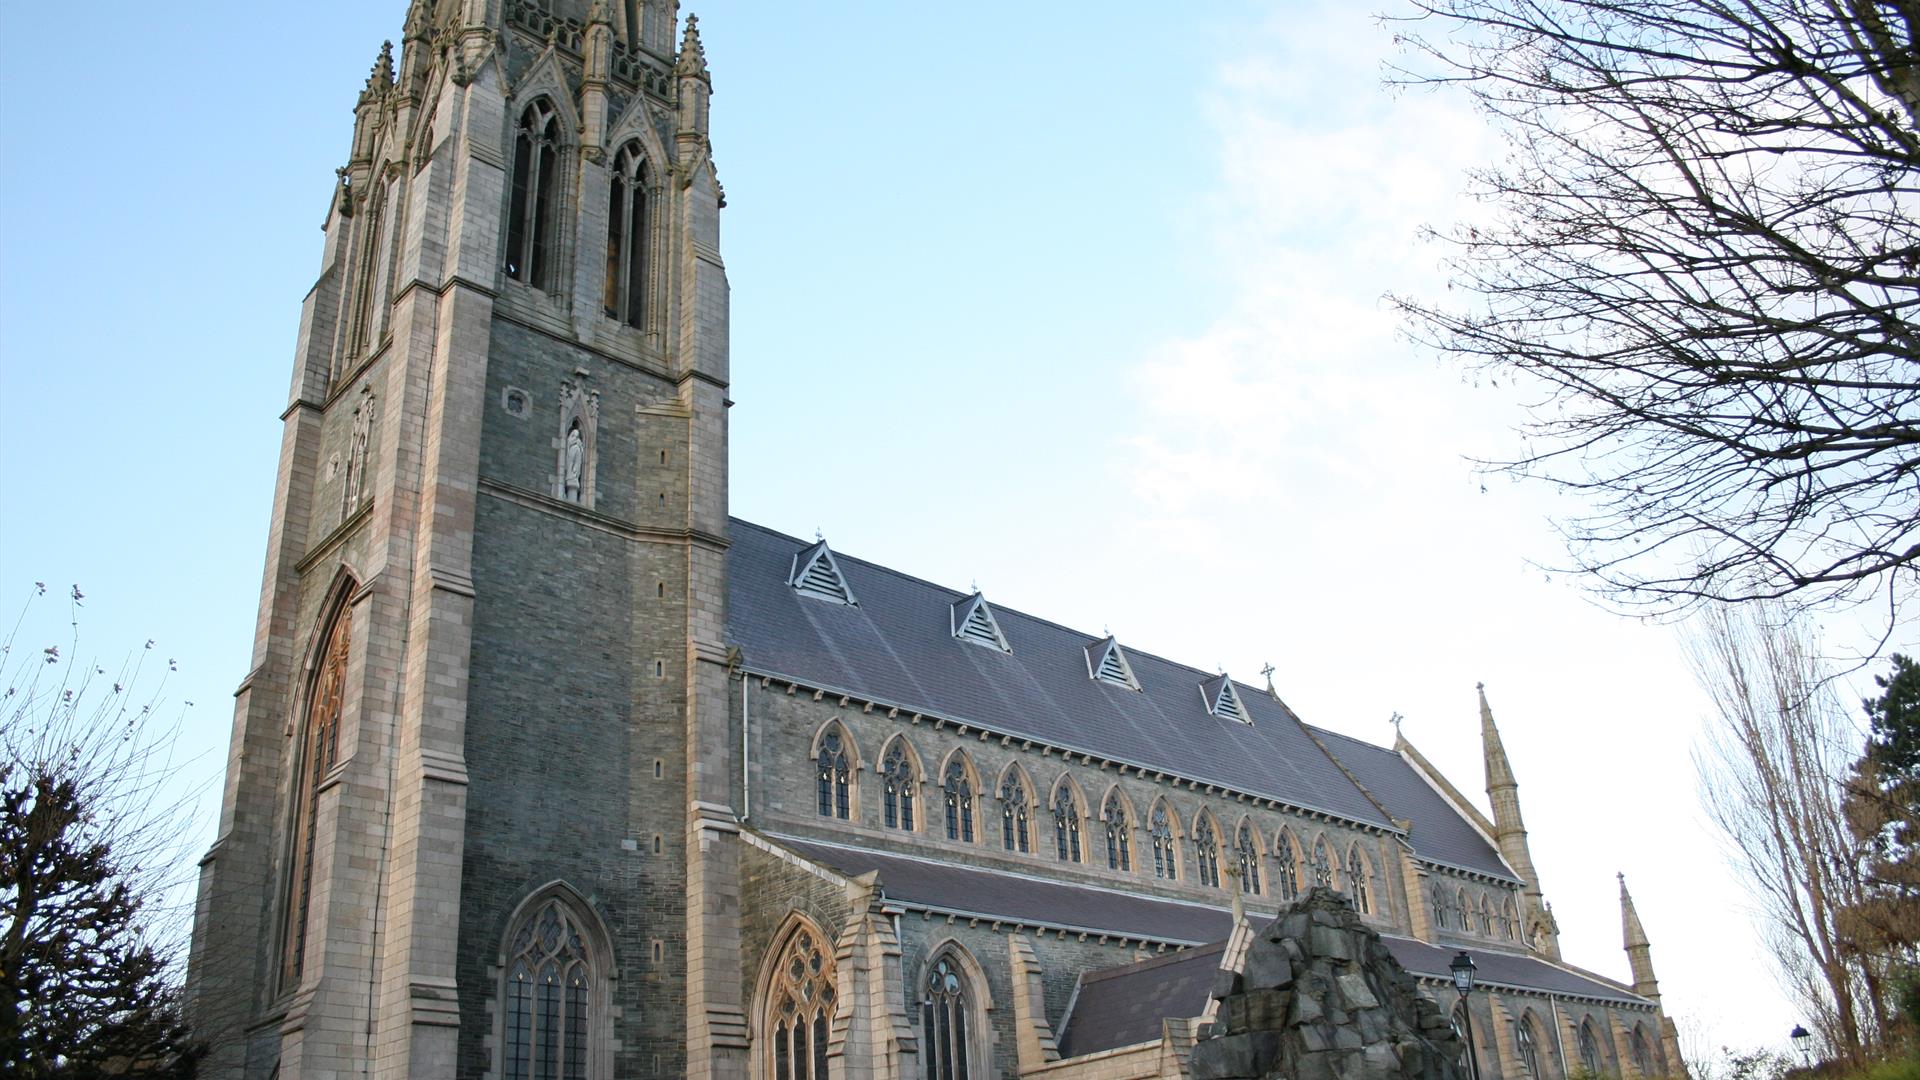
<point x="1320" y="998"/>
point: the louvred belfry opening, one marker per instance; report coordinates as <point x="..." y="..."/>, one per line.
<point x="1223" y="700"/>
<point x="973" y="621"/>
<point x="1107" y="663"/>
<point x="815" y="573"/>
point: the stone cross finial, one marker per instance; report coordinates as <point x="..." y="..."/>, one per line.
<point x="1395" y="720"/>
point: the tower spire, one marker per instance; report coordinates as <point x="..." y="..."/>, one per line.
<point x="1510" y="833"/>
<point x="1634" y="939"/>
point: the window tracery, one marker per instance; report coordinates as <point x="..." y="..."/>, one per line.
<point x="1439" y="896"/>
<point x="958" y="793"/>
<point x="318" y="750"/>
<point x="1287" y="855"/>
<point x="550" y="978"/>
<point x="1119" y="834"/>
<point x="1016" y="832"/>
<point x="1486" y="915"/>
<point x="1322" y="864"/>
<point x="1066" y="825"/>
<point x="945" y="1022"/>
<point x="1509" y="921"/>
<point x="800" y="1008"/>
<point x="1357" y="881"/>
<point x="625" y="290"/>
<point x="899" y="781"/>
<point x="1247" y="855"/>
<point x="1589" y="1048"/>
<point x="1529" y="1048"/>
<point x="1642" y="1056"/>
<point x="1206" y="852"/>
<point x="1166" y="856"/>
<point x="536" y="157"/>
<point x="835" y="774"/>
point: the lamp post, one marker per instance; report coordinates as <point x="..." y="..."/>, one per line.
<point x="1462" y="968"/>
<point x="1803" y="1042"/>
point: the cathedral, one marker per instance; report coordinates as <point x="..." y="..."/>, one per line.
<point x="547" y="767"/>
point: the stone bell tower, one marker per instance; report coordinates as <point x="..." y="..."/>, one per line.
<point x="477" y="803"/>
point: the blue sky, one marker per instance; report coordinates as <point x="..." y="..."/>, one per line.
<point x="1078" y="302"/>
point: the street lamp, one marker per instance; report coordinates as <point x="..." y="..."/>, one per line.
<point x="1803" y="1042"/>
<point x="1462" y="968"/>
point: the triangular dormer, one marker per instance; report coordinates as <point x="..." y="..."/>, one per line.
<point x="972" y="620"/>
<point x="1223" y="700"/>
<point x="815" y="573"/>
<point x="1107" y="663"/>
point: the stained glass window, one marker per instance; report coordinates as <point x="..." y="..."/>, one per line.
<point x="548" y="999"/>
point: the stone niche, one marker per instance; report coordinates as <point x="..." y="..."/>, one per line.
<point x="1320" y="998"/>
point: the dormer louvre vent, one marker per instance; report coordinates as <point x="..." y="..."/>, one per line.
<point x="972" y="620"/>
<point x="1223" y="700"/>
<point x="815" y="573"/>
<point x="1107" y="663"/>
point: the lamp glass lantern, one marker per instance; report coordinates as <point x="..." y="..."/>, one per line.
<point x="1463" y="969"/>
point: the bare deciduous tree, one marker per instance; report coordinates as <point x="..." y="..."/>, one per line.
<point x="1704" y="249"/>
<point x="1772" y="773"/>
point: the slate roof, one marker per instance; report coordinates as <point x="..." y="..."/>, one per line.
<point x="1439" y="832"/>
<point x="1507" y="969"/>
<point x="1126" y="1006"/>
<point x="895" y="646"/>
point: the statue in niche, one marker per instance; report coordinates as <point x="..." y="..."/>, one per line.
<point x="574" y="448"/>
<point x="357" y="448"/>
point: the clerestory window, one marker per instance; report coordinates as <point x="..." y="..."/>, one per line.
<point x="958" y="795"/>
<point x="1119" y="834"/>
<point x="1206" y="853"/>
<point x="1066" y="825"/>
<point x="1246" y="854"/>
<point x="899" y="780"/>
<point x="1166" y="855"/>
<point x="1016" y="831"/>
<point x="625" y="291"/>
<point x="536" y="167"/>
<point x="835" y="777"/>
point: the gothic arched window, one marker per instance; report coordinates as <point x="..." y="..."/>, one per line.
<point x="1322" y="864"/>
<point x="1642" y="1057"/>
<point x="549" y="998"/>
<point x="317" y="751"/>
<point x="835" y="775"/>
<point x="958" y="793"/>
<point x="1246" y="854"/>
<point x="1286" y="853"/>
<point x="945" y="1022"/>
<point x="536" y="162"/>
<point x="1529" y="1048"/>
<point x="1066" y="825"/>
<point x="1509" y="921"/>
<point x="1439" y="906"/>
<point x="898" y="782"/>
<point x="1016" y="831"/>
<point x="1357" y="881"/>
<point x="800" y="1008"/>
<point x="1119" y="834"/>
<point x="625" y="295"/>
<point x="1486" y="915"/>
<point x="1166" y="855"/>
<point x="1206" y="852"/>
<point x="1463" y="910"/>
<point x="1589" y="1049"/>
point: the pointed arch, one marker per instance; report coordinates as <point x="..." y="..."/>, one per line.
<point x="955" y="1006"/>
<point x="1016" y="809"/>
<point x="1069" y="809"/>
<point x="1526" y="1045"/>
<point x="1116" y="815"/>
<point x="1509" y="920"/>
<point x="1163" y="829"/>
<point x="1591" y="1058"/>
<point x="1289" y="864"/>
<point x="1486" y="915"/>
<point x="794" y="1000"/>
<point x="1249" y="850"/>
<point x="1642" y="1054"/>
<point x="554" y="964"/>
<point x="1206" y="848"/>
<point x="837" y="764"/>
<point x="632" y="194"/>
<point x="1360" y="878"/>
<point x="312" y="755"/>
<point x="536" y="189"/>
<point x="1463" y="908"/>
<point x="960" y="796"/>
<point x="1324" y="865"/>
<point x="900" y="778"/>
<point x="1438" y="895"/>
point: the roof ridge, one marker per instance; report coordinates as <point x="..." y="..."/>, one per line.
<point x="1191" y="952"/>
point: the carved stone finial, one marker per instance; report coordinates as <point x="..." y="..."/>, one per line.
<point x="419" y="25"/>
<point x="597" y="14"/>
<point x="693" y="57"/>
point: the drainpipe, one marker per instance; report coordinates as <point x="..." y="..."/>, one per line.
<point x="1559" y="1040"/>
<point x="746" y="792"/>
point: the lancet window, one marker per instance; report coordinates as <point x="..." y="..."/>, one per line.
<point x="1066" y="825"/>
<point x="626" y="280"/>
<point x="945" y="1022"/>
<point x="1166" y="855"/>
<point x="317" y="752"/>
<point x="800" y="1009"/>
<point x="1322" y="864"/>
<point x="1247" y="855"/>
<point x="958" y="794"/>
<point x="550" y="978"/>
<point x="1119" y="834"/>
<point x="835" y="775"/>
<point x="536" y="166"/>
<point x="899" y="780"/>
<point x="1642" y="1056"/>
<point x="1016" y="827"/>
<point x="1509" y="921"/>
<point x="1486" y="915"/>
<point x="1529" y="1048"/>
<point x="1589" y="1049"/>
<point x="1206" y="852"/>
<point x="1357" y="881"/>
<point x="1440" y="907"/>
<point x="1286" y="854"/>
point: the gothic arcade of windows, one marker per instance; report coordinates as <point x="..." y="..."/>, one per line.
<point x="799" y="1008"/>
<point x="1119" y="833"/>
<point x="899" y="780"/>
<point x="834" y="774"/>
<point x="1016" y="826"/>
<point x="624" y="296"/>
<point x="550" y="976"/>
<point x="957" y="792"/>
<point x="530" y="213"/>
<point x="945" y="1019"/>
<point x="316" y="752"/>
